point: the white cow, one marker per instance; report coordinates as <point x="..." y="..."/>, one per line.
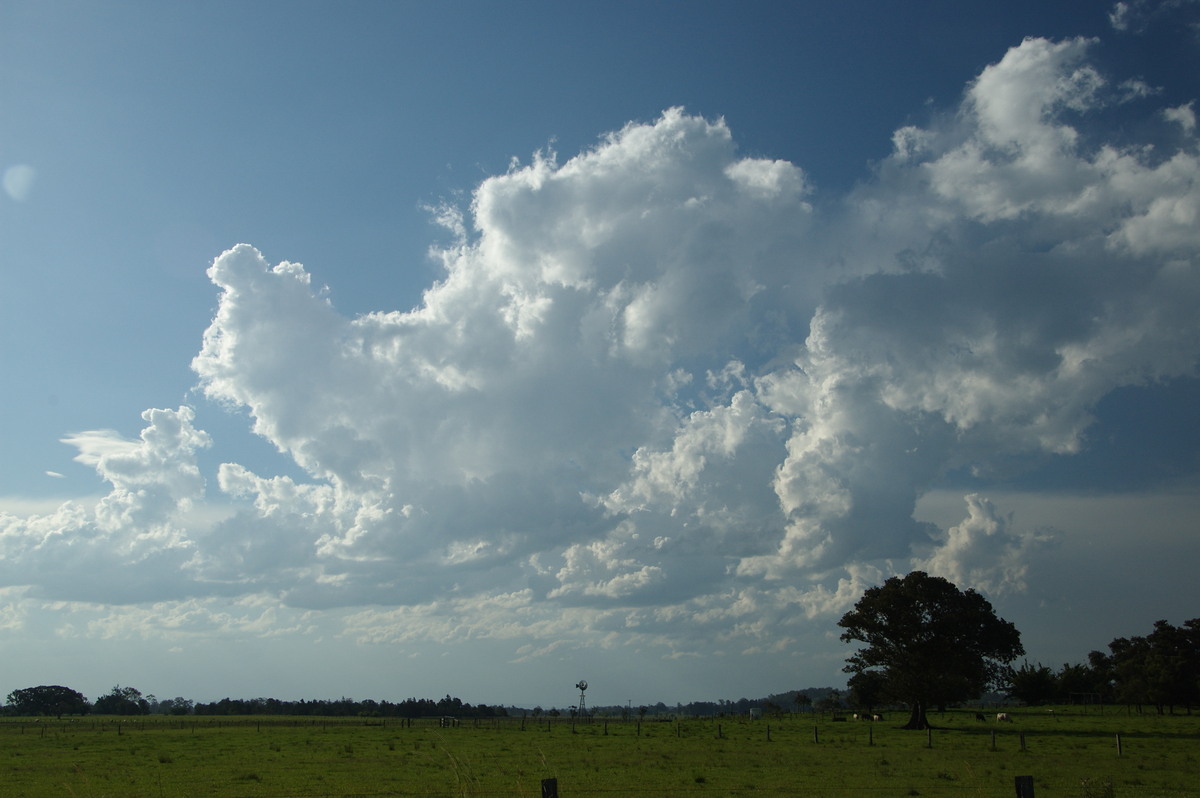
<point x="1003" y="717"/>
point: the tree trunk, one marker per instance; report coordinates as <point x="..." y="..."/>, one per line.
<point x="917" y="719"/>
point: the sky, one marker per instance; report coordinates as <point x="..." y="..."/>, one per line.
<point x="399" y="349"/>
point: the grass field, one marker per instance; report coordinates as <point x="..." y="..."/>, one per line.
<point x="1067" y="754"/>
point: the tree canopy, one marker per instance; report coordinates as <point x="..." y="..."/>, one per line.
<point x="929" y="643"/>
<point x="1161" y="669"/>
<point x="48" y="699"/>
<point x="1033" y="684"/>
<point x="122" y="701"/>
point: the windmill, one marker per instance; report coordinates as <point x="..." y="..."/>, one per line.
<point x="581" y="685"/>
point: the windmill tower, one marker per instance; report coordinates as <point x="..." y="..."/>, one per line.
<point x="581" y="685"/>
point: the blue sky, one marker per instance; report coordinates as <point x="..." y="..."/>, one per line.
<point x="626" y="341"/>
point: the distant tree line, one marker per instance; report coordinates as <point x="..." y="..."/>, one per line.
<point x="807" y="700"/>
<point x="1160" y="670"/>
<point x="53" y="699"/>
<point x="57" y="700"/>
<point x="408" y="708"/>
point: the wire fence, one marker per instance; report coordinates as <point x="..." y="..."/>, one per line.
<point x="322" y="757"/>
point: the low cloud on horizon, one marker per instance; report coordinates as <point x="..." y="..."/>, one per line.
<point x="665" y="395"/>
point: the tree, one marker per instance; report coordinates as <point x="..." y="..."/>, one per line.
<point x="175" y="706"/>
<point x="122" y="701"/>
<point x="1082" y="683"/>
<point x="1161" y="669"/>
<point x="48" y="699"/>
<point x="831" y="702"/>
<point x="1033" y="684"/>
<point x="867" y="690"/>
<point x="931" y="643"/>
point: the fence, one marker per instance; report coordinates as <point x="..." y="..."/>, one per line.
<point x="291" y="757"/>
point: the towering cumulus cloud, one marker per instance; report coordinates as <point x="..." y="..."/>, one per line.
<point x="666" y="392"/>
<point x="485" y="438"/>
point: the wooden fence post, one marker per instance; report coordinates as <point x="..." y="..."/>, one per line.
<point x="549" y="788"/>
<point x="1118" y="745"/>
<point x="1024" y="785"/>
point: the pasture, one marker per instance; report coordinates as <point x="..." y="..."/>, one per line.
<point x="1066" y="752"/>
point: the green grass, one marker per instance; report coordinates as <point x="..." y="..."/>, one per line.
<point x="1068" y="754"/>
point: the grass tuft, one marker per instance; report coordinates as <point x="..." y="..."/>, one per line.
<point x="1097" y="788"/>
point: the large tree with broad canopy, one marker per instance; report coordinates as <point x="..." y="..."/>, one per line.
<point x="48" y="699"/>
<point x="930" y="643"/>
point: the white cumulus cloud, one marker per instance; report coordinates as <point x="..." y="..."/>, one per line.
<point x="667" y="393"/>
